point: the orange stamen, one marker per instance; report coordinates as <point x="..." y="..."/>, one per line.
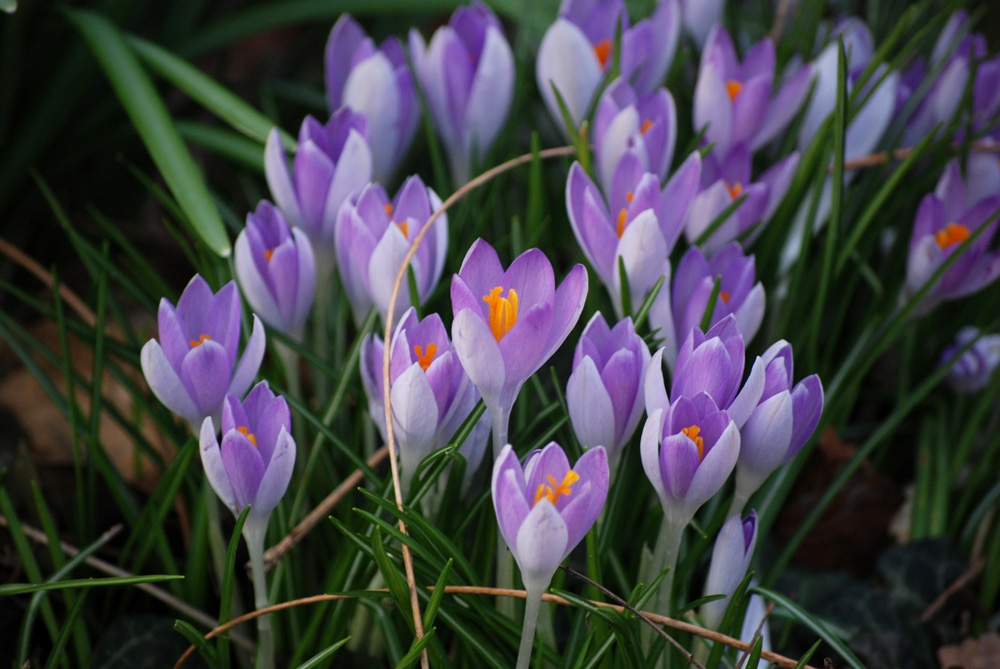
<point x="246" y="433"/>
<point x="629" y="196"/>
<point x="621" y="222"/>
<point x="425" y="359"/>
<point x="734" y="190"/>
<point x="646" y="125"/>
<point x="503" y="311"/>
<point x="555" y="490"/>
<point x="388" y="209"/>
<point x="724" y="295"/>
<point x="602" y="50"/>
<point x="405" y="228"/>
<point x="733" y="88"/>
<point x="691" y="433"/>
<point x="201" y="340"/>
<point x="953" y="233"/>
<point x="268" y="253"/>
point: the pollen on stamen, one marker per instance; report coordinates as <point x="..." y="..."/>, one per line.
<point x="503" y="311"/>
<point x="735" y="190"/>
<point x="424" y="359"/>
<point x="555" y="490"/>
<point x="733" y="89"/>
<point x="388" y="209"/>
<point x="725" y="296"/>
<point x="201" y="340"/>
<point x="246" y="433"/>
<point x="404" y="227"/>
<point x="691" y="432"/>
<point x="603" y="50"/>
<point x="622" y="215"/>
<point x="646" y="125"/>
<point x="953" y="233"/>
<point x="268" y="253"/>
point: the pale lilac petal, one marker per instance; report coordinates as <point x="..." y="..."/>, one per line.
<point x="205" y="372"/>
<point x="254" y="286"/>
<point x="713" y="110"/>
<point x="481" y="269"/>
<point x="244" y="467"/>
<point x="353" y="172"/>
<point x="749" y="395"/>
<point x="479" y="353"/>
<point x="415" y="413"/>
<point x="279" y="178"/>
<point x="654" y="387"/>
<point x="253" y="355"/>
<point x="278" y="474"/>
<point x="784" y="106"/>
<point x="767" y="434"/>
<point x="540" y="545"/>
<point x="718" y="464"/>
<point x="566" y="60"/>
<point x="215" y="470"/>
<point x="509" y="496"/>
<point x="567" y="303"/>
<point x="491" y="93"/>
<point x="590" y="407"/>
<point x="649" y="449"/>
<point x="523" y="343"/>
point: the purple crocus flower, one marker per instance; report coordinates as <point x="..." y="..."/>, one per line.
<point x="374" y="234"/>
<point x="376" y="83"/>
<point x="576" y="51"/>
<point x="255" y="461"/>
<point x="677" y="312"/>
<point x="194" y="364"/>
<point x="605" y="390"/>
<point x="331" y="162"/>
<point x="467" y="75"/>
<point x="276" y="269"/>
<point x="974" y="369"/>
<point x="712" y="363"/>
<point x="732" y="99"/>
<point x="724" y="179"/>
<point x="546" y="509"/>
<point x="645" y="126"/>
<point x="730" y="561"/>
<point x="945" y="219"/>
<point x="698" y="17"/>
<point x="508" y="323"/>
<point x="781" y="423"/>
<point x="430" y="392"/>
<point x="643" y="230"/>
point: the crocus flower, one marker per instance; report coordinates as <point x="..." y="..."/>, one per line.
<point x="376" y="83"/>
<point x="645" y="126"/>
<point x="698" y="17"/>
<point x="781" y="423"/>
<point x="675" y="313"/>
<point x="508" y="323"/>
<point x="732" y="99"/>
<point x="974" y="368"/>
<point x="944" y="220"/>
<point x="374" y="234"/>
<point x="467" y="75"/>
<point x="754" y="623"/>
<point x="726" y="178"/>
<point x="644" y="228"/>
<point x="544" y="511"/>
<point x="332" y="161"/>
<point x="730" y="561"/>
<point x="576" y="51"/>
<point x="430" y="392"/>
<point x="605" y="390"/>
<point x="276" y="269"/>
<point x="194" y="364"/>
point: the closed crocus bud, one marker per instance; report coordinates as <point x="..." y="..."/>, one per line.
<point x="331" y="162"/>
<point x="730" y="561"/>
<point x="626" y="122"/>
<point x="373" y="236"/>
<point x="467" y="75"/>
<point x="675" y="313"/>
<point x="195" y="363"/>
<point x="782" y="422"/>
<point x="945" y="219"/>
<point x="508" y="323"/>
<point x="605" y="390"/>
<point x="725" y="180"/>
<point x="276" y="270"/>
<point x="698" y="17"/>
<point x="974" y="368"/>
<point x="640" y="227"/>
<point x="375" y="83"/>
<point x="733" y="101"/>
<point x="431" y="394"/>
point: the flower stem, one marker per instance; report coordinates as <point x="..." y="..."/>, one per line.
<point x="254" y="533"/>
<point x="532" y="603"/>
<point x="505" y="559"/>
<point x="668" y="545"/>
<point x="290" y="361"/>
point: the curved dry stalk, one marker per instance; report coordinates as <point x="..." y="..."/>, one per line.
<point x="45" y="276"/>
<point x="882" y="157"/>
<point x="387" y="399"/>
<point x="679" y="625"/>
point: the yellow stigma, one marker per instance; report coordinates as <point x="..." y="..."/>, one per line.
<point x="646" y="125"/>
<point x="691" y="433"/>
<point x="735" y="189"/>
<point x="503" y="311"/>
<point x="733" y="88"/>
<point x="555" y="490"/>
<point x="246" y="433"/>
<point x="953" y="233"/>
<point x="201" y="340"/>
<point x="602" y="50"/>
<point x="425" y="359"/>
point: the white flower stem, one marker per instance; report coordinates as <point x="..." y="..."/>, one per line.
<point x="321" y="313"/>
<point x="668" y="545"/>
<point x="532" y="603"/>
<point x="254" y="531"/>
<point x="290" y="361"/>
<point x="505" y="559"/>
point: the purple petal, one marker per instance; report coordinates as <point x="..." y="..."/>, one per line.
<point x="166" y="384"/>
<point x="591" y="411"/>
<point x="215" y="470"/>
<point x="244" y="467"/>
<point x="278" y="474"/>
<point x="253" y="355"/>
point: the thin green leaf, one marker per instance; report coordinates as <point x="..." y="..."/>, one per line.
<point x="11" y="589"/>
<point x="815" y="624"/>
<point x="432" y="606"/>
<point x="228" y="585"/>
<point x="317" y="659"/>
<point x="198" y="641"/>
<point x="413" y="655"/>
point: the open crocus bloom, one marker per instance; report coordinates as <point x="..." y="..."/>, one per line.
<point x="194" y="364"/>
<point x="373" y="236"/>
<point x="375" y="83"/>
<point x="730" y="561"/>
<point x="546" y="509"/>
<point x="332" y="161"/>
<point x="430" y="392"/>
<point x="675" y="313"/>
<point x="276" y="269"/>
<point x="508" y="323"/>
